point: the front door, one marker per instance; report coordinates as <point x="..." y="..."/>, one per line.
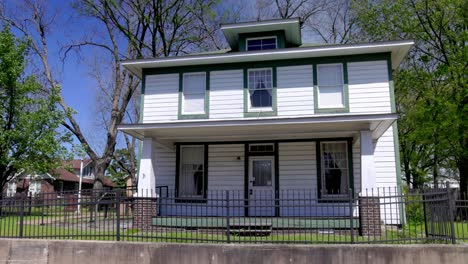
<point x="262" y="186"/>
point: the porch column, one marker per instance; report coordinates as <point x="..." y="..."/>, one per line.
<point x="146" y="177"/>
<point x="369" y="204"/>
<point x="367" y="162"/>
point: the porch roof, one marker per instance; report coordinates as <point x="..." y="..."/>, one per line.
<point x="250" y="129"/>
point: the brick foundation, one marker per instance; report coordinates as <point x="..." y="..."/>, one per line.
<point x="144" y="211"/>
<point x="369" y="216"/>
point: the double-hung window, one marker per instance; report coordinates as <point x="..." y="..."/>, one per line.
<point x="194" y="90"/>
<point x="335" y="169"/>
<point x="191" y="171"/>
<point x="264" y="43"/>
<point x="330" y="82"/>
<point x="260" y="84"/>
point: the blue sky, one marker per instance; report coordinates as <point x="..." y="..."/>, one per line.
<point x="73" y="73"/>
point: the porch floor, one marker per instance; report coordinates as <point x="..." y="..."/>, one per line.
<point x="274" y="222"/>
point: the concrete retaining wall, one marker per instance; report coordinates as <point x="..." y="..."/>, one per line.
<point x="70" y="252"/>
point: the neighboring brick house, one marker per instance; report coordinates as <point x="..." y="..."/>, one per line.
<point x="59" y="180"/>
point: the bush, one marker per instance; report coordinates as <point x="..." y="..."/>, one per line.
<point x="414" y="207"/>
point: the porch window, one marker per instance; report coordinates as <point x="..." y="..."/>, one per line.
<point x="264" y="43"/>
<point x="194" y="89"/>
<point x="260" y="88"/>
<point x="335" y="171"/>
<point x="192" y="171"/>
<point x="330" y="82"/>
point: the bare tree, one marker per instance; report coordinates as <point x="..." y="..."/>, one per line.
<point x="133" y="29"/>
<point x="335" y="23"/>
<point x="330" y="21"/>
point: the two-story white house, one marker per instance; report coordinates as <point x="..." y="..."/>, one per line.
<point x="269" y="115"/>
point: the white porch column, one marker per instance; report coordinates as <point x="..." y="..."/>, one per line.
<point x="368" y="175"/>
<point x="146" y="176"/>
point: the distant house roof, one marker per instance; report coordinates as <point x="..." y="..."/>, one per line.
<point x="107" y="182"/>
<point x="76" y="163"/>
<point x="64" y="175"/>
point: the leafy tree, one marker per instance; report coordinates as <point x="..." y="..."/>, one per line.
<point x="29" y="140"/>
<point x="431" y="90"/>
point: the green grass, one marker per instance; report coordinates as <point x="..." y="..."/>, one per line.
<point x="9" y="227"/>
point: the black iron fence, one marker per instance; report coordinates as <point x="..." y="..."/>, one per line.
<point x="383" y="215"/>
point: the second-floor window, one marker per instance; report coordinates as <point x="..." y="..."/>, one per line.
<point x="194" y="89"/>
<point x="260" y="88"/>
<point x="261" y="43"/>
<point x="330" y="84"/>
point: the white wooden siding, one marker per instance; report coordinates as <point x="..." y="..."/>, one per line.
<point x="161" y="99"/>
<point x="226" y="94"/>
<point x="369" y="90"/>
<point x="295" y="91"/>
<point x="297" y="165"/>
<point x="225" y="171"/>
<point x="357" y="166"/>
<point x="385" y="165"/>
<point x="386" y="179"/>
<point x="164" y="167"/>
<point x="298" y="181"/>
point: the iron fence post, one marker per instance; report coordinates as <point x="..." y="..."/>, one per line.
<point x="228" y="232"/>
<point x="351" y="220"/>
<point x="42" y="209"/>
<point x="117" y="198"/>
<point x="21" y="215"/>
<point x="450" y="207"/>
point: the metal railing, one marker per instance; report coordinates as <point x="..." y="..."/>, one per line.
<point x="382" y="215"/>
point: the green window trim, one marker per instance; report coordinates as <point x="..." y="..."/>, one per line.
<point x="261" y="38"/>
<point x="181" y="115"/>
<point x="268" y="63"/>
<point x="344" y="109"/>
<point x="274" y="104"/>
<point x="279" y="34"/>
<point x="318" y="152"/>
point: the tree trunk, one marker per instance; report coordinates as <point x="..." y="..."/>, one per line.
<point x="100" y="167"/>
<point x="407" y="173"/>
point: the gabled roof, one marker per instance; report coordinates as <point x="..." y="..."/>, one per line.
<point x="397" y="49"/>
<point x="291" y="28"/>
<point x="76" y="163"/>
<point x="62" y="174"/>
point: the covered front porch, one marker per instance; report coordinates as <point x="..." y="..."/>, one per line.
<point x="275" y="167"/>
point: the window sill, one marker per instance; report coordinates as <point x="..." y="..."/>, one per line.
<point x="253" y="113"/>
<point x="331" y="110"/>
<point x="190" y="200"/>
<point x="193" y="116"/>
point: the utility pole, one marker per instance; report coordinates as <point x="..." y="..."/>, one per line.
<point x="79" y="185"/>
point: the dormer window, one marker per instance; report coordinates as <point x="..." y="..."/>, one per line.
<point x="264" y="43"/>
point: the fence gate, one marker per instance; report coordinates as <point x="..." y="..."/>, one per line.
<point x="438" y="216"/>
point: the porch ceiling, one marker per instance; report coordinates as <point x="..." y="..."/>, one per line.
<point x="319" y="126"/>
